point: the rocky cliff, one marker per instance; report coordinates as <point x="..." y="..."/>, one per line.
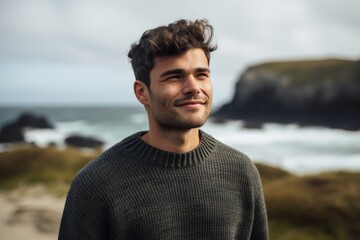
<point x="321" y="92"/>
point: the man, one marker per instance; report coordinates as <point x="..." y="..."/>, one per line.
<point x="173" y="181"/>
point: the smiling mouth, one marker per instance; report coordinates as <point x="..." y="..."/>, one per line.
<point x="190" y="103"/>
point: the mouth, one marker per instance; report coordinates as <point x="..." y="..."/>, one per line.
<point x="190" y="103"/>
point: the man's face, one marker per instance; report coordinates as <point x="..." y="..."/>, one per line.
<point x="180" y="93"/>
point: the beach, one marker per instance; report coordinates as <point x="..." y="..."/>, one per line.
<point x="30" y="213"/>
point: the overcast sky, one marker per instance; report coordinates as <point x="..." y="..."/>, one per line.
<point x="75" y="51"/>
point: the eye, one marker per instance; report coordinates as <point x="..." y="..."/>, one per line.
<point x="173" y="77"/>
<point x="203" y="75"/>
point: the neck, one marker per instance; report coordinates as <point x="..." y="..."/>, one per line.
<point x="176" y="141"/>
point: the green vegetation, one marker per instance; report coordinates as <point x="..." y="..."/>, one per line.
<point x="52" y="167"/>
<point x="304" y="72"/>
<point x="322" y="206"/>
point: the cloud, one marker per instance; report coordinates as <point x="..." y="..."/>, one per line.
<point x="99" y="33"/>
<point x="340" y="13"/>
<point x="53" y="83"/>
<point x="83" y="30"/>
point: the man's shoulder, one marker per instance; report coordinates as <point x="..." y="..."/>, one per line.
<point x="227" y="150"/>
<point x="109" y="162"/>
<point x="236" y="158"/>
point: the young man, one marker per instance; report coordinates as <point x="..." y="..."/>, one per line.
<point x="173" y="181"/>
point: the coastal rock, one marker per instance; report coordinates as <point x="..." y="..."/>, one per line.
<point x="13" y="131"/>
<point x="29" y="120"/>
<point x="318" y="93"/>
<point x="83" y="142"/>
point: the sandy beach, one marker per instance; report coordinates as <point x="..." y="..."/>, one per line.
<point x="30" y="213"/>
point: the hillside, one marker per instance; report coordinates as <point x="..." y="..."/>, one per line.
<point x="314" y="92"/>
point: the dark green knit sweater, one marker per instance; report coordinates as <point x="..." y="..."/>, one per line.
<point x="135" y="191"/>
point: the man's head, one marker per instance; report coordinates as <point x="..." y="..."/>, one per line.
<point x="171" y="40"/>
<point x="171" y="65"/>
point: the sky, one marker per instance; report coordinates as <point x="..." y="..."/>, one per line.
<point x="74" y="52"/>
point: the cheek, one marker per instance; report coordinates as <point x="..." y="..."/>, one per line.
<point x="167" y="93"/>
<point x="208" y="88"/>
<point x="160" y="98"/>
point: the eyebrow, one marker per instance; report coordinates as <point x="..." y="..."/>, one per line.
<point x="182" y="71"/>
<point x="171" y="72"/>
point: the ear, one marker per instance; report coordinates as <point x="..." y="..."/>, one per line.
<point x="141" y="92"/>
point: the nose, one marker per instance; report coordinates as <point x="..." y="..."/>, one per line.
<point x="191" y="85"/>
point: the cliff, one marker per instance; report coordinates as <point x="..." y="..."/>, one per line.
<point x="316" y="92"/>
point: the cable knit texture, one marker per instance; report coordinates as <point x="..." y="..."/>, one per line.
<point x="135" y="191"/>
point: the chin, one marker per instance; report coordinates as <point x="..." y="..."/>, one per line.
<point x="193" y="124"/>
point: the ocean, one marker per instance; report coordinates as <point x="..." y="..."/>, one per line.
<point x="301" y="150"/>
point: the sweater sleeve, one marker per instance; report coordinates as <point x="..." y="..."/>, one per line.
<point x="260" y="228"/>
<point x="84" y="215"/>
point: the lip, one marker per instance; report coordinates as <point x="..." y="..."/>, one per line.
<point x="190" y="103"/>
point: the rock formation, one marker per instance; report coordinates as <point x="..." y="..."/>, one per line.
<point x="83" y="142"/>
<point x="320" y="93"/>
<point x="13" y="131"/>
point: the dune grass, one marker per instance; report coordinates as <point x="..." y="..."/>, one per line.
<point x="321" y="206"/>
<point x="51" y="167"/>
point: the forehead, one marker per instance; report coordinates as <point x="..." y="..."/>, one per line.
<point x="190" y="60"/>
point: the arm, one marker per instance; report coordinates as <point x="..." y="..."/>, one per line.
<point x="84" y="215"/>
<point x="260" y="228"/>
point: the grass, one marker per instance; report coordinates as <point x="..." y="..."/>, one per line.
<point x="321" y="206"/>
<point x="304" y="72"/>
<point x="51" y="167"/>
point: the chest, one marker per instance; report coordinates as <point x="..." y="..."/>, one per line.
<point x="157" y="207"/>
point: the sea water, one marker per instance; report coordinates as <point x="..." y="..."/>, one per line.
<point x="301" y="150"/>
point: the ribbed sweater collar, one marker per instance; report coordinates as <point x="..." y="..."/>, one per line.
<point x="144" y="152"/>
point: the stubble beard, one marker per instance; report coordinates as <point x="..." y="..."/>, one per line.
<point x="173" y="120"/>
<point x="170" y="119"/>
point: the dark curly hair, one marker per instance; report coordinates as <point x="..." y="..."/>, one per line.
<point x="174" y="39"/>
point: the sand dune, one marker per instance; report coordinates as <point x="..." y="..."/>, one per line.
<point x="30" y="213"/>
